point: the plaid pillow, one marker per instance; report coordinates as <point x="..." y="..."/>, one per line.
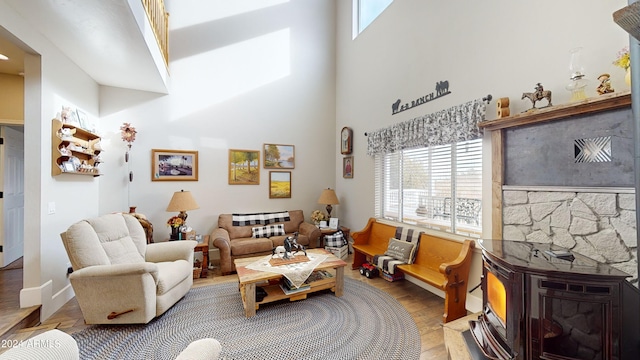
<point x="267" y="231"/>
<point x="335" y="240"/>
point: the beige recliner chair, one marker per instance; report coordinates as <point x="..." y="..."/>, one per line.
<point x="117" y="277"/>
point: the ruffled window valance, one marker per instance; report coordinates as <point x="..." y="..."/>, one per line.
<point x="448" y="126"/>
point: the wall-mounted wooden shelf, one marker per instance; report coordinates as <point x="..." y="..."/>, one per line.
<point x="85" y="149"/>
<point x="589" y="106"/>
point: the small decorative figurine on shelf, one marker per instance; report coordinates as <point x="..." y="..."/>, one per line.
<point x="538" y="95"/>
<point x="66" y="133"/>
<point x="64" y="151"/>
<point x="605" y="84"/>
<point x="66" y="115"/>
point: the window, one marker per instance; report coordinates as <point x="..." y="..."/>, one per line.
<point x="366" y="11"/>
<point x="438" y="187"/>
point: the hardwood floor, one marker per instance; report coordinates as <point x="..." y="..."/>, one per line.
<point x="11" y="316"/>
<point x="425" y="308"/>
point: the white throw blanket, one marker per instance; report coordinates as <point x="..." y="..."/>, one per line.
<point x="297" y="273"/>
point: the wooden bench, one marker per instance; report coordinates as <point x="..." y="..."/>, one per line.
<point x="440" y="262"/>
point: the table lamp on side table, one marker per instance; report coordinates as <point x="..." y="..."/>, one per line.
<point x="182" y="201"/>
<point x="328" y="197"/>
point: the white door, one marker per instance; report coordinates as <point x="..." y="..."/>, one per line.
<point x="12" y="187"/>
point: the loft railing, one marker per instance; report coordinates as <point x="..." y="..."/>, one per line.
<point x="159" y="20"/>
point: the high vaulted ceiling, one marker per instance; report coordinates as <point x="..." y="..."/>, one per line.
<point x="109" y="40"/>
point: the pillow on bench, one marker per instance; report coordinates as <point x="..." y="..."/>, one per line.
<point x="409" y="235"/>
<point x="401" y="250"/>
<point x="398" y="252"/>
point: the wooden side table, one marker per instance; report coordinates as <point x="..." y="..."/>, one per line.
<point x="323" y="232"/>
<point x="204" y="248"/>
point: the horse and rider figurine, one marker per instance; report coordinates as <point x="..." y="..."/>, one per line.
<point x="290" y="243"/>
<point x="538" y="95"/>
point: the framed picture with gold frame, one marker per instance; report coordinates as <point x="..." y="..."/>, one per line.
<point x="279" y="184"/>
<point x="278" y="156"/>
<point x="174" y="165"/>
<point x="244" y="167"/>
<point x="346" y="140"/>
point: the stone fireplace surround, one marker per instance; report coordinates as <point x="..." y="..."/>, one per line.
<point x="542" y="194"/>
<point x="599" y="223"/>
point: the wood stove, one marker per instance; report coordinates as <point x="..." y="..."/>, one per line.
<point x="541" y="301"/>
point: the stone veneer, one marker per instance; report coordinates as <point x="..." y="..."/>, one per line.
<point x="601" y="226"/>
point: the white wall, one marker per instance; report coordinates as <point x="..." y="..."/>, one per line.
<point x="51" y="80"/>
<point x="497" y="47"/>
<point x="242" y="74"/>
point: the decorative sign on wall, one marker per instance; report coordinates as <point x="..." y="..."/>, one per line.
<point x="442" y="89"/>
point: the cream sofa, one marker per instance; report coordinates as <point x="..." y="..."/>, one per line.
<point x="117" y="277"/>
<point x="237" y="242"/>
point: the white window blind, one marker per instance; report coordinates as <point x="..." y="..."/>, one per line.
<point x="439" y="187"/>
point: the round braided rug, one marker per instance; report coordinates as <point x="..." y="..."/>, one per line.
<point x="365" y="323"/>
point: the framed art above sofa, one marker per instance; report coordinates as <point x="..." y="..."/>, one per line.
<point x="244" y="167"/>
<point x="279" y="156"/>
<point x="279" y="184"/>
<point x="174" y="165"/>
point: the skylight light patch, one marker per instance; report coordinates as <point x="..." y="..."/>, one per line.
<point x="207" y="11"/>
<point x="369" y="10"/>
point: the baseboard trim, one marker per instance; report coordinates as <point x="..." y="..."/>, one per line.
<point x="474" y="304"/>
<point x="32" y="296"/>
<point x="60" y="298"/>
<point x="43" y="295"/>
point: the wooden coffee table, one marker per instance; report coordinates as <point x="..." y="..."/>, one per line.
<point x="269" y="281"/>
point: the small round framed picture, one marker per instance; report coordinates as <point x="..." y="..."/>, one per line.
<point x="346" y="140"/>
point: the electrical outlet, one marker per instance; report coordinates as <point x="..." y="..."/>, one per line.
<point x="52" y="208"/>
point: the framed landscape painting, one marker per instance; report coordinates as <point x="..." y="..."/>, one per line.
<point x="279" y="156"/>
<point x="279" y="184"/>
<point x="244" y="167"/>
<point x="174" y="165"/>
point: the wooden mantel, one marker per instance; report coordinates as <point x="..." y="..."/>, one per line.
<point x="586" y="107"/>
<point x="589" y="106"/>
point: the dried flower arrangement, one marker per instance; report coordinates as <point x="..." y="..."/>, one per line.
<point x="623" y="60"/>
<point x="128" y="133"/>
